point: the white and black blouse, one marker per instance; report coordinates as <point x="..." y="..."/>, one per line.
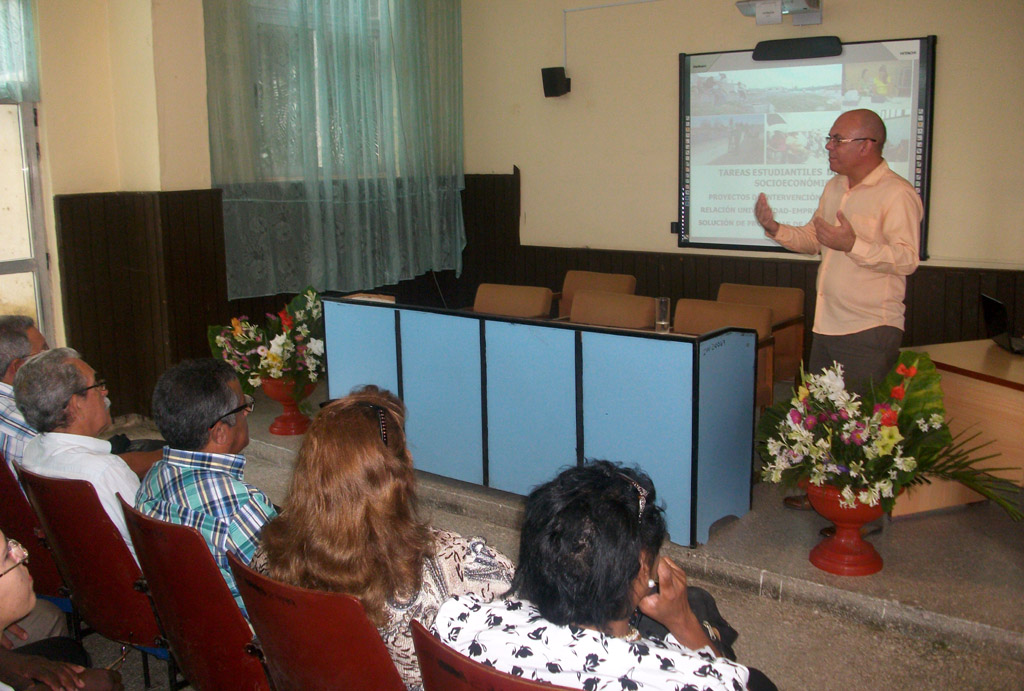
<point x="512" y="636"/>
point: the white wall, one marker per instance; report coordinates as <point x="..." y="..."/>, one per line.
<point x="599" y="165"/>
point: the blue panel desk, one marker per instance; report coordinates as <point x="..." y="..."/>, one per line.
<point x="506" y="403"/>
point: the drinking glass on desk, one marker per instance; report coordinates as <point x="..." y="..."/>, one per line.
<point x="662" y="312"/>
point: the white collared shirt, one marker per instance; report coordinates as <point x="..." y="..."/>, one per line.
<point x="77" y="457"/>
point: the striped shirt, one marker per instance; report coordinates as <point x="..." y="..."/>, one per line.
<point x="14" y="431"/>
<point x="206" y="491"/>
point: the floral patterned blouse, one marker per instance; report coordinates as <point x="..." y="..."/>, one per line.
<point x="512" y="636"/>
<point x="460" y="566"/>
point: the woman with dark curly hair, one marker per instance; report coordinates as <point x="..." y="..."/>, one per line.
<point x="588" y="561"/>
<point x="350" y="525"/>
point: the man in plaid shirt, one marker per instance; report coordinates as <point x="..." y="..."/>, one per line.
<point x="203" y="415"/>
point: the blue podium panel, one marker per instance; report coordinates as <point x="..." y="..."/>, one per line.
<point x="442" y="391"/>
<point x="638" y="410"/>
<point x="360" y="347"/>
<point x="726" y="424"/>
<point x="531" y="403"/>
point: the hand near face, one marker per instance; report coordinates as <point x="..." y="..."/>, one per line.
<point x="671" y="608"/>
<point x="838" y="237"/>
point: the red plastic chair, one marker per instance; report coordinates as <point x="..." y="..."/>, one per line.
<point x="96" y="565"/>
<point x="444" y="669"/>
<point x="20" y="523"/>
<point x="312" y="639"/>
<point x="204" y="627"/>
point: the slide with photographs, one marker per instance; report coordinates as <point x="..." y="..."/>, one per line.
<point x="752" y="127"/>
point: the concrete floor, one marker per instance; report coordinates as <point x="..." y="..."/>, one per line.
<point x="946" y="611"/>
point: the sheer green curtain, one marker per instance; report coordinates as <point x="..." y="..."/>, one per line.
<point x="336" y="135"/>
<point x="19" y="77"/>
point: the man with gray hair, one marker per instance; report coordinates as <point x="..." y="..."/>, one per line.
<point x="19" y="340"/>
<point x="203" y="414"/>
<point x="63" y="398"/>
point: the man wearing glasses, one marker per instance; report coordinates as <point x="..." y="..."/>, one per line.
<point x="203" y="414"/>
<point x="61" y="397"/>
<point x="867" y="229"/>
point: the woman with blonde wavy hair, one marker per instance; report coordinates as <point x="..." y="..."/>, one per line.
<point x="351" y="525"/>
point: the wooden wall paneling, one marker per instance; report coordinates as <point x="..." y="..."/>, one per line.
<point x="933" y="308"/>
<point x="114" y="292"/>
<point x="67" y="217"/>
<point x="954" y="309"/>
<point x="109" y="228"/>
<point x="193" y="241"/>
<point x="147" y="271"/>
<point x="184" y="275"/>
<point x="1017" y="305"/>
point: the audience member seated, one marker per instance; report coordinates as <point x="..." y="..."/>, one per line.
<point x="351" y="525"/>
<point x="63" y="398"/>
<point x="19" y="340"/>
<point x="20" y="670"/>
<point x="588" y="559"/>
<point x="201" y="412"/>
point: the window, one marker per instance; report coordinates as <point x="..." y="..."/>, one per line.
<point x="24" y="278"/>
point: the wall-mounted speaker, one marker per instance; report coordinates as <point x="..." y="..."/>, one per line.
<point x="797" y="48"/>
<point x="555" y="81"/>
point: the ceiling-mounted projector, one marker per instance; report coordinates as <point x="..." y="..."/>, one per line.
<point x="810" y="9"/>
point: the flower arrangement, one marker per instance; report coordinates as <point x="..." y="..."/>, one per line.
<point x="871" y="448"/>
<point x="289" y="346"/>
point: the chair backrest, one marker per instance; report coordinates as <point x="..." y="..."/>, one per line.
<point x="528" y="302"/>
<point x="203" y="625"/>
<point x="444" y="669"/>
<point x="592" y="280"/>
<point x="20" y="523"/>
<point x="313" y="639"/>
<point x="786" y="303"/>
<point x="621" y="310"/>
<point x="94" y="559"/>
<point x="701" y="316"/>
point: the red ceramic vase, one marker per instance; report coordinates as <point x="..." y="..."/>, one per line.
<point x="845" y="553"/>
<point x="291" y="421"/>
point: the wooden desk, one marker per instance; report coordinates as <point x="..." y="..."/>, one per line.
<point x="983" y="389"/>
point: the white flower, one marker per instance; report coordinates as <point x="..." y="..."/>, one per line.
<point x="315" y="346"/>
<point x="847" y="498"/>
<point x="905" y="464"/>
<point x="922" y="424"/>
<point x="280" y="345"/>
<point x="936" y="420"/>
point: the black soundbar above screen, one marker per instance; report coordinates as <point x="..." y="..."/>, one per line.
<point x="749" y="126"/>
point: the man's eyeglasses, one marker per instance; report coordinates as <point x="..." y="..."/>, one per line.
<point x="100" y="384"/>
<point x="248" y="407"/>
<point x="18" y="553"/>
<point x="836" y="140"/>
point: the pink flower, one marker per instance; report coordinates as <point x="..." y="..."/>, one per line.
<point x="795" y="416"/>
<point x="809" y="422"/>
